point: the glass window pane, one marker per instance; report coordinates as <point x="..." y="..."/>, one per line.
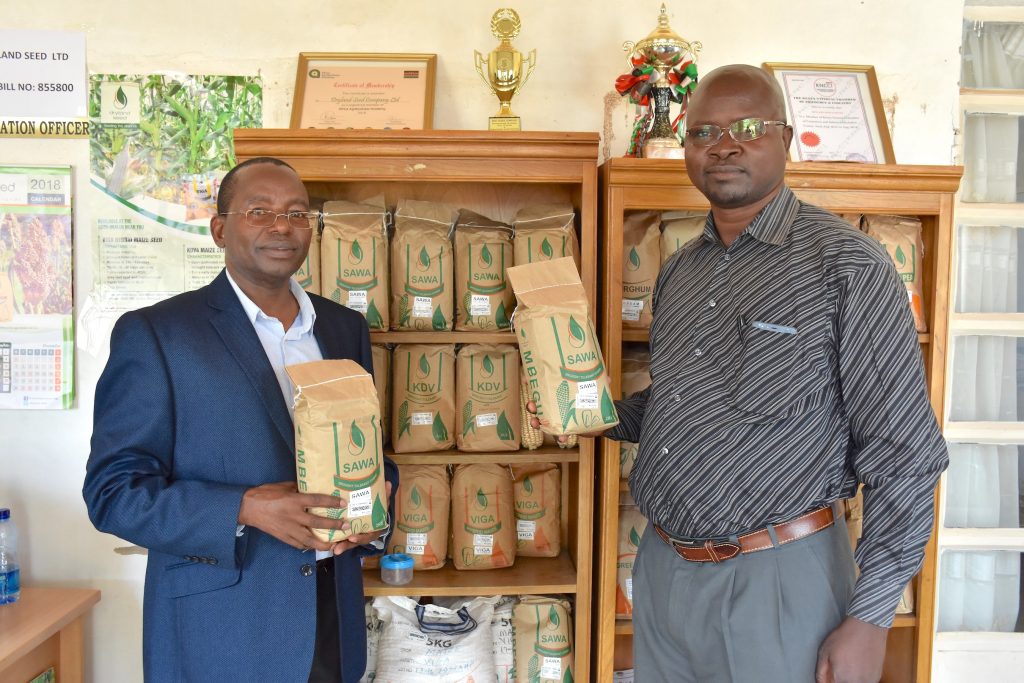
<point x="989" y="280"/>
<point x="980" y="591"/>
<point x="992" y="55"/>
<point x="983" y="486"/>
<point x="992" y="157"/>
<point x="986" y="379"/>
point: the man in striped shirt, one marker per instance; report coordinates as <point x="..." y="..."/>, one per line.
<point x="786" y="371"/>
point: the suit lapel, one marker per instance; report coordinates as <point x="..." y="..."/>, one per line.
<point x="241" y="340"/>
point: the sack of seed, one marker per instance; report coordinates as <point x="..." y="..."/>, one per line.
<point x="565" y="372"/>
<point x="338" y="447"/>
<point x="542" y="628"/>
<point x="421" y="266"/>
<point x="354" y="258"/>
<point x="423" y="397"/>
<point x="488" y="397"/>
<point x="545" y="232"/>
<point x="483" y="250"/>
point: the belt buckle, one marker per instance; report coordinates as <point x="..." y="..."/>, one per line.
<point x="714" y="549"/>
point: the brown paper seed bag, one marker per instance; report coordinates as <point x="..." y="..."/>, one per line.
<point x="354" y="258"/>
<point x="542" y="629"/>
<point x="338" y="448"/>
<point x="565" y="371"/>
<point x="483" y="530"/>
<point x="545" y="232"/>
<point x="537" y="491"/>
<point x="641" y="260"/>
<point x="902" y="238"/>
<point x="382" y="382"/>
<point x="423" y="397"/>
<point x="421" y="507"/>
<point x="421" y="266"/>
<point x="631" y="527"/>
<point x="308" y="274"/>
<point x="678" y="228"/>
<point x="483" y="250"/>
<point x="636" y="376"/>
<point x="488" y="397"/>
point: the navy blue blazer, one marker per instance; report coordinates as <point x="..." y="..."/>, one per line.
<point x="188" y="415"/>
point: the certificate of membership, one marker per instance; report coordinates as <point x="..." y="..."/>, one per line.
<point x="829" y="115"/>
<point x="361" y="95"/>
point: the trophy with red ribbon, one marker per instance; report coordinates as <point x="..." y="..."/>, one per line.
<point x="663" y="70"/>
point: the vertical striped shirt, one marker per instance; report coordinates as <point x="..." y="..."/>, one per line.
<point x="786" y="370"/>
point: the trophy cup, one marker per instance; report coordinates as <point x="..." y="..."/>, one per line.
<point x="662" y="69"/>
<point x="505" y="75"/>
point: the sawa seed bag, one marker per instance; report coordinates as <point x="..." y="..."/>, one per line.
<point x="902" y="238"/>
<point x="422" y="397"/>
<point x="564" y="369"/>
<point x="354" y="258"/>
<point x="483" y="531"/>
<point x="338" y="447"/>
<point x="631" y="527"/>
<point x="483" y="250"/>
<point x="543" y="638"/>
<point x="488" y="397"/>
<point x="636" y="376"/>
<point x="678" y="228"/>
<point x="641" y="259"/>
<point x="382" y="382"/>
<point x="421" y="266"/>
<point x="308" y="274"/>
<point x="537" y="492"/>
<point x="546" y="232"/>
<point x="422" y="506"/>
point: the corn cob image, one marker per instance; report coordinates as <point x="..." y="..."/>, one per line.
<point x="531" y="437"/>
<point x="566" y="406"/>
<point x="468" y="424"/>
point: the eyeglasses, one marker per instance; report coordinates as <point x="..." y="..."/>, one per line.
<point x="262" y="218"/>
<point x="743" y="130"/>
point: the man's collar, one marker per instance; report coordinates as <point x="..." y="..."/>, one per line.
<point x="307" y="315"/>
<point x="772" y="223"/>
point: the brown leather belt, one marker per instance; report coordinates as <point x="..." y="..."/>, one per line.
<point x="719" y="551"/>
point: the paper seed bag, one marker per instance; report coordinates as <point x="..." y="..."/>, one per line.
<point x="338" y="447"/>
<point x="422" y="506"/>
<point x="678" y="228"/>
<point x="902" y="238"/>
<point x="564" y="368"/>
<point x="483" y="250"/>
<point x="421" y="267"/>
<point x="382" y="381"/>
<point x="545" y="232"/>
<point x="308" y="274"/>
<point x="632" y="525"/>
<point x="543" y="640"/>
<point x="488" y="397"/>
<point x="641" y="260"/>
<point x="354" y="258"/>
<point x="538" y="499"/>
<point x="423" y="397"/>
<point x="483" y="530"/>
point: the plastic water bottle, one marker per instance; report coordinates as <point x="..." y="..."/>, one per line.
<point x="10" y="576"/>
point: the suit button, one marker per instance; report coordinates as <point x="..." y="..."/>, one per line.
<point x="306" y="570"/>
<point x="212" y="560"/>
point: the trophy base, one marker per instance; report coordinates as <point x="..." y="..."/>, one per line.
<point x="663" y="148"/>
<point x="504" y="123"/>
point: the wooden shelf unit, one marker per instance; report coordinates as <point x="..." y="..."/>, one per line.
<point x="495" y="174"/>
<point x="662" y="184"/>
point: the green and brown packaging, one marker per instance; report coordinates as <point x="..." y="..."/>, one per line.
<point x="488" y="397"/>
<point x="636" y="376"/>
<point x="641" y="260"/>
<point x="354" y="258"/>
<point x="542" y="628"/>
<point x="537" y="491"/>
<point x="631" y="528"/>
<point x="483" y="250"/>
<point x="422" y="505"/>
<point x="565" y="372"/>
<point x="308" y="274"/>
<point x="902" y="238"/>
<point x="382" y="381"/>
<point x="483" y="530"/>
<point x="678" y="228"/>
<point x="423" y="397"/>
<point x="545" y="232"/>
<point x="421" y="266"/>
<point x="338" y="446"/>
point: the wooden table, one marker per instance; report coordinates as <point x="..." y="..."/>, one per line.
<point x="44" y="629"/>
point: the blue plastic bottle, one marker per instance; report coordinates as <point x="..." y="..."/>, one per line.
<point x="10" y="576"/>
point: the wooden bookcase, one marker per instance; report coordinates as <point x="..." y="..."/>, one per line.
<point x="495" y="174"/>
<point x="662" y="184"/>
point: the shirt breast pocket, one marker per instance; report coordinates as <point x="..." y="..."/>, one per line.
<point x="782" y="370"/>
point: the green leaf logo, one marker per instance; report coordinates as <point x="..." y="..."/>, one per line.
<point x="608" y="414"/>
<point x="438" y="430"/>
<point x="439" y="322"/>
<point x="485" y="257"/>
<point x="356" y="440"/>
<point x="577" y="337"/>
<point x="901" y="258"/>
<point x="373" y="318"/>
<point x="634" y="537"/>
<point x="481" y="498"/>
<point x="488" y="365"/>
<point x="504" y="428"/>
<point x="424" y="258"/>
<point x="424" y="365"/>
<point x="500" y="317"/>
<point x="528" y="485"/>
<point x="553" y="616"/>
<point x="545" y="248"/>
<point x="634" y="259"/>
<point x="120" y="99"/>
<point x="379" y="514"/>
<point x="415" y="497"/>
<point x="355" y="253"/>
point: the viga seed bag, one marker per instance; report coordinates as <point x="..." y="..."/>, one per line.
<point x="537" y="491"/>
<point x="543" y="640"/>
<point x="421" y="507"/>
<point x="423" y="397"/>
<point x="641" y="260"/>
<point x="354" y="258"/>
<point x="678" y="228"/>
<point x="545" y="232"/>
<point x="564" y="369"/>
<point x="488" y="397"/>
<point x="483" y="530"/>
<point x="483" y="250"/>
<point x="421" y="266"/>
<point x="338" y="447"/>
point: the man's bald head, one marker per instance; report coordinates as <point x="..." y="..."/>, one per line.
<point x="753" y="80"/>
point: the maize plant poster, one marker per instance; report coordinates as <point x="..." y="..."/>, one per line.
<point x="36" y="325"/>
<point x="160" y="145"/>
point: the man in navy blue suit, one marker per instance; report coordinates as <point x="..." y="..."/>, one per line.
<point x="193" y="458"/>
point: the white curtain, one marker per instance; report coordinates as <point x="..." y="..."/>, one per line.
<point x="993" y="55"/>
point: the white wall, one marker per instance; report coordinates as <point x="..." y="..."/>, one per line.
<point x="914" y="47"/>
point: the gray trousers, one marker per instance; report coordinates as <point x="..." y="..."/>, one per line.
<point x="757" y="617"/>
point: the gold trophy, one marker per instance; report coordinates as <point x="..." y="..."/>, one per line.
<point x="505" y="74"/>
<point x="667" y="52"/>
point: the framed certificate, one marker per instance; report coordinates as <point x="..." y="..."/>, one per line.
<point x="836" y="112"/>
<point x="352" y="90"/>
